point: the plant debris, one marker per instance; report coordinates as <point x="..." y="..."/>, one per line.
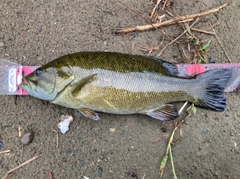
<point x="19" y="166"/>
<point x="160" y="6"/>
<point x="169" y="22"/>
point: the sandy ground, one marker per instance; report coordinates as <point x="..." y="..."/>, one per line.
<point x="36" y="32"/>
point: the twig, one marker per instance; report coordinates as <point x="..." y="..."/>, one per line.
<point x="221" y="45"/>
<point x="161" y="138"/>
<point x="19" y="131"/>
<point x="161" y="31"/>
<point x="174" y="40"/>
<point x="182" y="108"/>
<point x="57" y="138"/>
<point x="186" y="57"/>
<point x="172" y="163"/>
<point x="50" y="174"/>
<point x="133" y="46"/>
<point x="164" y="5"/>
<point x="5" y="151"/>
<point x="165" y="158"/>
<point x="203" y="31"/>
<point x="154" y="9"/>
<point x="22" y="153"/>
<point x="169" y="22"/>
<point x="19" y="166"/>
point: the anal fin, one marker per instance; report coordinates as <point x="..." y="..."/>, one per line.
<point x="164" y="113"/>
<point x="89" y="113"/>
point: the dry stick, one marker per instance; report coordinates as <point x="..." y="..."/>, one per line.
<point x="161" y="31"/>
<point x="154" y="9"/>
<point x="183" y="51"/>
<point x="168" y="22"/>
<point x="22" y="153"/>
<point x="57" y="138"/>
<point x="174" y="40"/>
<point x="19" y="166"/>
<point x="221" y="45"/>
<point x="19" y="131"/>
<point x="5" y="151"/>
<point x="203" y="31"/>
<point x="182" y="108"/>
<point x="164" y="5"/>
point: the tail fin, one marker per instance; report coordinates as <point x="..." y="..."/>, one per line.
<point x="213" y="96"/>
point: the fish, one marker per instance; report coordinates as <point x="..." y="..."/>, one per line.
<point x="117" y="83"/>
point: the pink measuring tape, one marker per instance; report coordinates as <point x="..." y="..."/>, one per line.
<point x="11" y="75"/>
<point x="193" y="69"/>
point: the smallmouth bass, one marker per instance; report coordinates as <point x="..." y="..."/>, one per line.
<point x="119" y="83"/>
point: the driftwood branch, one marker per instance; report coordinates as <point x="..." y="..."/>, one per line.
<point x="168" y="22"/>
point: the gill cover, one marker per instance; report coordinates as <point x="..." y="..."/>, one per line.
<point x="46" y="83"/>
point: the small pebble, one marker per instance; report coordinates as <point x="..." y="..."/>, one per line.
<point x="39" y="58"/>
<point x="22" y="58"/>
<point x="5" y="124"/>
<point x="1" y="145"/>
<point x="27" y="138"/>
<point x="1" y="44"/>
<point x="211" y="60"/>
<point x="99" y="173"/>
<point x="112" y="130"/>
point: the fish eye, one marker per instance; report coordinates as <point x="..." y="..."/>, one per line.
<point x="38" y="72"/>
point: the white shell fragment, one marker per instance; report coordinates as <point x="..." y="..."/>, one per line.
<point x="63" y="125"/>
<point x="112" y="130"/>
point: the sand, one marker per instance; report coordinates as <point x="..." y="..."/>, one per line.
<point x="36" y="32"/>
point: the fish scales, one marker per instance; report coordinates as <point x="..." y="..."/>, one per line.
<point x="130" y="93"/>
<point x="123" y="84"/>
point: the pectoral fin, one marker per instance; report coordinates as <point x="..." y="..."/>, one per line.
<point x="78" y="86"/>
<point x="164" y="113"/>
<point x="89" y="113"/>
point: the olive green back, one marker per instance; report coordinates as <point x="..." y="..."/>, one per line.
<point x="114" y="62"/>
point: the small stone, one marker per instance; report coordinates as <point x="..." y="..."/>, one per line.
<point x="39" y="58"/>
<point x="1" y="144"/>
<point x="5" y="124"/>
<point x="22" y="58"/>
<point x="1" y="44"/>
<point x="211" y="60"/>
<point x="27" y="138"/>
<point x="99" y="173"/>
<point x="112" y="130"/>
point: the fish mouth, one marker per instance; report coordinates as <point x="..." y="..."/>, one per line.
<point x="25" y="87"/>
<point x="28" y="85"/>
